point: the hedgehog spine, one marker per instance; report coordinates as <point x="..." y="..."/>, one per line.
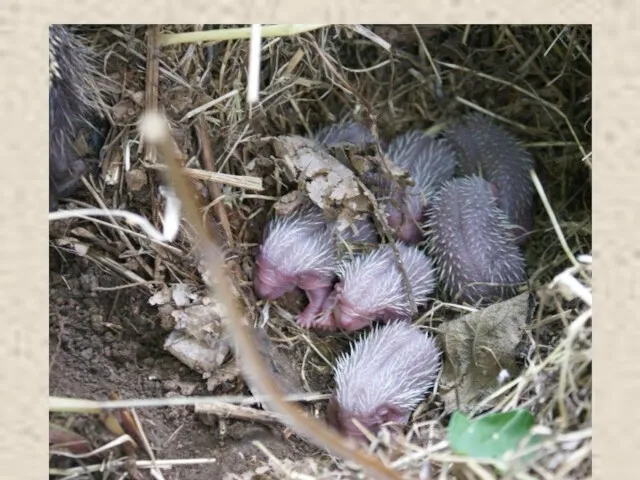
<point x="300" y="242"/>
<point x="470" y="241"/>
<point x="485" y="148"/>
<point x="345" y="132"/>
<point x="71" y="98"/>
<point x="394" y="364"/>
<point x="374" y="281"/>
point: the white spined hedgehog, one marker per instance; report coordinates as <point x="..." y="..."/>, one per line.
<point x="301" y="251"/>
<point x="471" y="244"/>
<point x="430" y="162"/>
<point x="383" y="378"/>
<point x="487" y="149"/>
<point x="371" y="288"/>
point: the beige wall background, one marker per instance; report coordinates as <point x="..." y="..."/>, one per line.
<point x="23" y="191"/>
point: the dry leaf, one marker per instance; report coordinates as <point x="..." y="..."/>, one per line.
<point x="162" y="297"/>
<point x="202" y="322"/>
<point x="477" y="347"/>
<point x="327" y="181"/>
<point x="136" y="180"/>
<point x="289" y="203"/>
<point x="182" y="294"/>
<point x="225" y="374"/>
<point x="124" y="111"/>
<point x="195" y="354"/>
<point x="199" y="340"/>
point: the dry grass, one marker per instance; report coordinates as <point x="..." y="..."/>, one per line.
<point x="534" y="79"/>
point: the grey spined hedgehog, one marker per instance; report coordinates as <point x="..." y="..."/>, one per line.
<point x="72" y="98"/>
<point x="486" y="149"/>
<point x="301" y="251"/>
<point x="471" y="244"/>
<point x="383" y="378"/>
<point x="371" y="288"/>
<point x="429" y="162"/>
<point x="346" y="133"/>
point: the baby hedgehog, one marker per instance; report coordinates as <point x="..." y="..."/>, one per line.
<point x="383" y="378"/>
<point x="371" y="288"/>
<point x="301" y="250"/>
<point x="486" y="149"/>
<point x="429" y="162"/>
<point x="471" y="244"/>
<point x="347" y="132"/>
<point x="71" y="100"/>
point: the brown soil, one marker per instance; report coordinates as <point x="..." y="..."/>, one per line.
<point x="112" y="341"/>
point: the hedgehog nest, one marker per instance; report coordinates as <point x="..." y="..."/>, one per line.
<point x="535" y="80"/>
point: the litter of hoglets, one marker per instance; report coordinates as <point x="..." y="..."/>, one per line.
<point x="472" y="226"/>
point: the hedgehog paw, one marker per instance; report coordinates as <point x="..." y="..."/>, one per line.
<point x="325" y="324"/>
<point x="305" y="321"/>
<point x="308" y="318"/>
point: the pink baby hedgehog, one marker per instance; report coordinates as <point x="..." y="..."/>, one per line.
<point x="300" y="250"/>
<point x="371" y="288"/>
<point x="383" y="378"/>
<point x="429" y="162"/>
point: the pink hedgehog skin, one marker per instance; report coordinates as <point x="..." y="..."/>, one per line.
<point x="429" y="162"/>
<point x="484" y="148"/>
<point x="383" y="378"/>
<point x="300" y="251"/>
<point x="471" y="244"/>
<point x="371" y="288"/>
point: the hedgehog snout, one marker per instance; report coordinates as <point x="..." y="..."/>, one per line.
<point x="410" y="231"/>
<point x="347" y="317"/>
<point x="394" y="216"/>
<point x="372" y="421"/>
<point x="269" y="282"/>
<point x="390" y="413"/>
<point x="405" y="223"/>
<point x="350" y="429"/>
<point x="341" y="420"/>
